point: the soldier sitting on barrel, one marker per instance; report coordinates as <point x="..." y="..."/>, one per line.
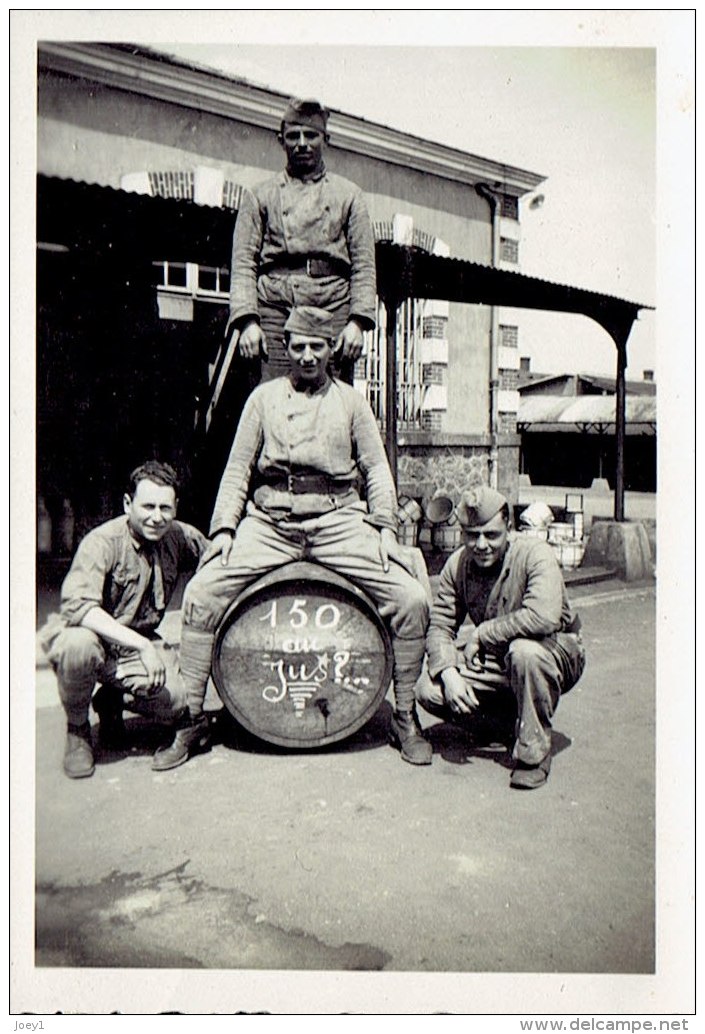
<point x="289" y="492"/>
<point x="525" y="647"/>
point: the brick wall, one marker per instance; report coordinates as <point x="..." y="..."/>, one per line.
<point x="434" y="326"/>
<point x="508" y="380"/>
<point x="433" y="373"/>
<point x="432" y="420"/>
<point x="509" y="335"/>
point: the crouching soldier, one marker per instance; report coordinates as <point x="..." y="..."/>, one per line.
<point x="112" y="600"/>
<point x="525" y="648"/>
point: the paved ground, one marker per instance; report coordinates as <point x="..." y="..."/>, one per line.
<point x="348" y="859"/>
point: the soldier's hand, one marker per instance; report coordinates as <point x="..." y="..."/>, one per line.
<point x="220" y="545"/>
<point x="473" y="650"/>
<point x="252" y="340"/>
<point x="457" y="692"/>
<point x="350" y="340"/>
<point x="154" y="666"/>
<point x="389" y="548"/>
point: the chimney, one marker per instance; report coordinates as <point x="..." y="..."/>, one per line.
<point x="648" y="375"/>
<point x="524" y="364"/>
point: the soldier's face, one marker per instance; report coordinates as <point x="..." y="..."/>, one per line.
<point x="487" y="542"/>
<point x="303" y="146"/>
<point x="308" y="358"/>
<point x="151" y="510"/>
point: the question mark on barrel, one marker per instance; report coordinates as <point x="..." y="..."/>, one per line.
<point x="340" y="659"/>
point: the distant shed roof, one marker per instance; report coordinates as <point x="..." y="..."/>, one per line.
<point x="588" y="413"/>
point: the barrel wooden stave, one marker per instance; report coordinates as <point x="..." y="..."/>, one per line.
<point x="302" y="658"/>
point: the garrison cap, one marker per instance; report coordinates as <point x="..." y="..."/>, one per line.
<point x="306" y="113"/>
<point x="478" y="505"/>
<point x="307" y="319"/>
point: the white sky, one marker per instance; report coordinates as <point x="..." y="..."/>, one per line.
<point x="584" y="117"/>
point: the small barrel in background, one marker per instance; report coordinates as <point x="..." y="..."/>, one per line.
<point x="302" y="658"/>
<point x="446" y="532"/>
<point x="409" y="513"/>
<point x="560" y="531"/>
<point x="569" y="554"/>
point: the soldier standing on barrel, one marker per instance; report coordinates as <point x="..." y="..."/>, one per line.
<point x="289" y="492"/>
<point x="303" y="237"/>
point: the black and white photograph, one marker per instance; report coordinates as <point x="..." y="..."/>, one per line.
<point x="352" y="399"/>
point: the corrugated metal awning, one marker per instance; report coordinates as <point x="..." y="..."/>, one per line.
<point x="587" y="413"/>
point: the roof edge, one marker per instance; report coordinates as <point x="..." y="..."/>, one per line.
<point x="156" y="74"/>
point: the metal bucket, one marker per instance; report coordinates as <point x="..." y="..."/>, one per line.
<point x="302" y="657"/>
<point x="439" y="510"/>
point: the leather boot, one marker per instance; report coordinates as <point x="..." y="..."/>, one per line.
<point x="192" y="737"/>
<point x="406" y="736"/>
<point x="107" y="704"/>
<point x="78" y="754"/>
<point x="530" y="777"/>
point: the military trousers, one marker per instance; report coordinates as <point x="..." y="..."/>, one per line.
<point x="521" y="689"/>
<point x="81" y="660"/>
<point x="340" y="540"/>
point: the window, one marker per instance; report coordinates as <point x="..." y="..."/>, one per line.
<point x="187" y="278"/>
<point x="416" y="321"/>
<point x="371" y="370"/>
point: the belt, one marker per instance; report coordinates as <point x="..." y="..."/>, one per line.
<point x="302" y="484"/>
<point x="311" y="265"/>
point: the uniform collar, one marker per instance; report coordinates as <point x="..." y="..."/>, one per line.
<point x="314" y="177"/>
<point x="320" y="390"/>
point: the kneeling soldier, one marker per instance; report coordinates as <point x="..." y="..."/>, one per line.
<point x="525" y="648"/>
<point x="112" y="600"/>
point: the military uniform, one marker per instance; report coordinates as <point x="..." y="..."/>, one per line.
<point x="302" y="241"/>
<point x="132" y="582"/>
<point x="291" y="490"/>
<point x="531" y="650"/>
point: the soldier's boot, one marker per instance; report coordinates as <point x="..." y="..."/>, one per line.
<point x="530" y="777"/>
<point x="192" y="737"/>
<point x="406" y="735"/>
<point x="78" y="753"/>
<point x="192" y="734"/>
<point x="405" y="730"/>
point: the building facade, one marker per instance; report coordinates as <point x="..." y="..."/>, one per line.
<point x="127" y="352"/>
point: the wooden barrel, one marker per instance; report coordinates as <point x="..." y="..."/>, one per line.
<point x="302" y="657"/>
<point x="447" y="537"/>
<point x="408" y="534"/>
